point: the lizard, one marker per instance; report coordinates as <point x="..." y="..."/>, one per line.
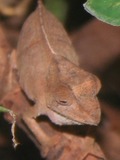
<point x="49" y="73"/>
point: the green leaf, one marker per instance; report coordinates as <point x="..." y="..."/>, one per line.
<point x="2" y="109"/>
<point x="106" y="10"/>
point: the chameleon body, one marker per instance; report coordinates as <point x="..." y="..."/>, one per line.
<point x="49" y="73"/>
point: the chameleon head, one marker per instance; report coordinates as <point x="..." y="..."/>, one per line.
<point x="76" y="105"/>
<point x="73" y="98"/>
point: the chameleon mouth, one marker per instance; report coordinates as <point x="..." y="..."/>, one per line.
<point x="82" y="113"/>
<point x="73" y="121"/>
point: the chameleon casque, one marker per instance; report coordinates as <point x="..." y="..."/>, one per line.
<point x="50" y="75"/>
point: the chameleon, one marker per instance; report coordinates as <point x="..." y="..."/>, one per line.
<point x="50" y="75"/>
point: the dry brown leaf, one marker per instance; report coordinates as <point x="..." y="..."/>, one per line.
<point x="49" y="73"/>
<point x="109" y="132"/>
<point x="5" y="50"/>
<point x="77" y="148"/>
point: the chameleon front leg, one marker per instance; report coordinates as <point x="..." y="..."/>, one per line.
<point x="17" y="102"/>
<point x="44" y="142"/>
<point x="37" y="134"/>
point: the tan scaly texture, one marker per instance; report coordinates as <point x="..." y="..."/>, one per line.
<point x="49" y="73"/>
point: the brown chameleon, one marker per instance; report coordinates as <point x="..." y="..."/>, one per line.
<point x="50" y="75"/>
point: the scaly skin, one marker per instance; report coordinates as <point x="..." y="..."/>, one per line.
<point x="49" y="73"/>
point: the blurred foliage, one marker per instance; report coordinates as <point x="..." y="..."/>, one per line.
<point x="58" y="8"/>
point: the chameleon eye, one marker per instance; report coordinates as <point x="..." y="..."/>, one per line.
<point x="63" y="102"/>
<point x="63" y="95"/>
